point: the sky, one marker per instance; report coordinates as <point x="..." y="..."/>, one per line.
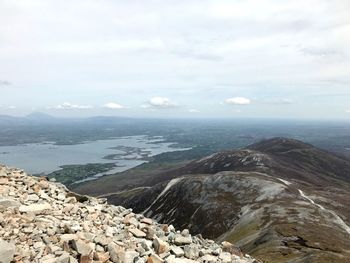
<point x="176" y="59"/>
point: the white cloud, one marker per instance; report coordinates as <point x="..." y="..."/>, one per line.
<point x="70" y="106"/>
<point x="347" y="111"/>
<point x="113" y="106"/>
<point x="161" y="102"/>
<point x="193" y="111"/>
<point x="238" y="101"/>
<point x="124" y="39"/>
<point x="12" y="107"/>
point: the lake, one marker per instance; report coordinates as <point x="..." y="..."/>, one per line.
<point x="125" y="152"/>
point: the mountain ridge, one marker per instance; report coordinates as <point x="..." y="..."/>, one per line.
<point x="274" y="198"/>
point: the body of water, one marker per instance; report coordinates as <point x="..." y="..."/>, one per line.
<point x="48" y="157"/>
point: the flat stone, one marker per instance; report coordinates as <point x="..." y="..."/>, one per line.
<point x="7" y="202"/>
<point x="181" y="240"/>
<point x="7" y="251"/>
<point x="68" y="237"/>
<point x="33" y="197"/>
<point x="147" y="221"/>
<point x="136" y="232"/>
<point x="35" y="208"/>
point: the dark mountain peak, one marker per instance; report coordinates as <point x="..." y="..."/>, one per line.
<point x="279" y="145"/>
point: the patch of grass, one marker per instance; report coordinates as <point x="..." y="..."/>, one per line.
<point x="68" y="174"/>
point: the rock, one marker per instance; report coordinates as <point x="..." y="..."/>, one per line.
<point x="109" y="231"/>
<point x="7" y="202"/>
<point x="116" y="252"/>
<point x="208" y="259"/>
<point x="232" y="249"/>
<point x="150" y="233"/>
<point x="35" y="208"/>
<point x="177" y="251"/>
<point x="181" y="240"/>
<point x="83" y="247"/>
<point x="64" y="258"/>
<point x="185" y="233"/>
<point x="136" y="232"/>
<point x="147" y="221"/>
<point x="7" y="251"/>
<point x="173" y="259"/>
<point x="102" y="257"/>
<point x="68" y="237"/>
<point x="160" y="246"/>
<point x="33" y="197"/>
<point x="225" y="257"/>
<point x="130" y="256"/>
<point x="86" y="258"/>
<point x="154" y="259"/>
<point x="191" y="251"/>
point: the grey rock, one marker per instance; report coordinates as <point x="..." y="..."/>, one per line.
<point x="7" y="251"/>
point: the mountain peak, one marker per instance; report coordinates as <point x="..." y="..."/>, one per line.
<point x="279" y="144"/>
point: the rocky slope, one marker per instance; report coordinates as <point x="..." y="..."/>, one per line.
<point x="41" y="221"/>
<point x="280" y="200"/>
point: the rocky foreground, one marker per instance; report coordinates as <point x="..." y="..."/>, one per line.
<point x="41" y="221"/>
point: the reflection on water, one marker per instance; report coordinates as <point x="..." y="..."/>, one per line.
<point x="46" y="157"/>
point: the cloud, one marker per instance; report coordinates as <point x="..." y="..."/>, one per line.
<point x="4" y="83"/>
<point x="193" y="111"/>
<point x="161" y="102"/>
<point x="113" y="106"/>
<point x="238" y="101"/>
<point x="70" y="106"/>
<point x="347" y="111"/>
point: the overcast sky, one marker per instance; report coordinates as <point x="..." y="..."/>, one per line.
<point x="176" y="58"/>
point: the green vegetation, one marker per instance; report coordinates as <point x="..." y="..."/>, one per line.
<point x="72" y="173"/>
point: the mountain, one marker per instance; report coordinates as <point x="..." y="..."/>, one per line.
<point x="280" y="200"/>
<point x="41" y="221"/>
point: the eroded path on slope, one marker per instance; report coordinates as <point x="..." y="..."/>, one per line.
<point x="338" y="220"/>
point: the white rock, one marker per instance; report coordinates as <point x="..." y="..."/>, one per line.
<point x="35" y="208"/>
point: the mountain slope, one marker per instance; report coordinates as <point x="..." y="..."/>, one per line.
<point x="281" y="200"/>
